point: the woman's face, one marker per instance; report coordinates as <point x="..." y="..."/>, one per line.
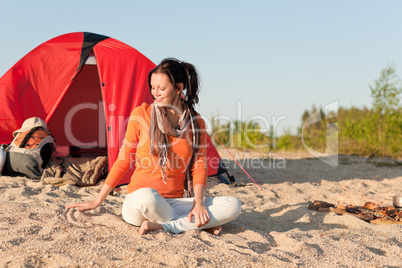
<point x="162" y="90"/>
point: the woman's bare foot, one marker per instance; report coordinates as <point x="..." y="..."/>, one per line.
<point x="149" y="226"/>
<point x="214" y="230"/>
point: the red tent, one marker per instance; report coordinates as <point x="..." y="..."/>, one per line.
<point x="84" y="86"/>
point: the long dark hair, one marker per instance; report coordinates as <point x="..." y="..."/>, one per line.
<point x="180" y="72"/>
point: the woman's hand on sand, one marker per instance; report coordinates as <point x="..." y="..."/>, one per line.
<point x="104" y="192"/>
<point x="84" y="205"/>
<point x="200" y="212"/>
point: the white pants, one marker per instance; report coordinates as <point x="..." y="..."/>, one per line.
<point x="171" y="213"/>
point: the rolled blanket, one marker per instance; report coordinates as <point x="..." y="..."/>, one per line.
<point x="82" y="171"/>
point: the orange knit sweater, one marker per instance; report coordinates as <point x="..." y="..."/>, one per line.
<point x="136" y="149"/>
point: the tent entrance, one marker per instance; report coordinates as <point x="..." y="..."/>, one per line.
<point x="79" y="120"/>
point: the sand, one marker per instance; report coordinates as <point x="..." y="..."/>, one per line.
<point x="275" y="228"/>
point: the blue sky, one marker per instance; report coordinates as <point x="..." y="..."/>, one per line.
<point x="277" y="58"/>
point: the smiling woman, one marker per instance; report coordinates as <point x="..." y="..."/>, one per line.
<point x="169" y="141"/>
<point x="162" y="90"/>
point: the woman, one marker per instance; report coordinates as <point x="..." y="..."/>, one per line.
<point x="169" y="140"/>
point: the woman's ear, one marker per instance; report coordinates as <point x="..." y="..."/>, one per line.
<point x="180" y="87"/>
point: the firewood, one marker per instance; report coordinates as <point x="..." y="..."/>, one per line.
<point x="370" y="205"/>
<point x="339" y="210"/>
<point x="370" y="212"/>
<point x="363" y="216"/>
<point x="341" y="207"/>
<point x="321" y="206"/>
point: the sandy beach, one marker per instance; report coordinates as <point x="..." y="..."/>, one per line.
<point x="275" y="228"/>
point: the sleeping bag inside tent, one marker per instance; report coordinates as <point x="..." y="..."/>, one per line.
<point x="84" y="86"/>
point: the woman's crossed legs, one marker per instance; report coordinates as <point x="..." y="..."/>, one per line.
<point x="146" y="208"/>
